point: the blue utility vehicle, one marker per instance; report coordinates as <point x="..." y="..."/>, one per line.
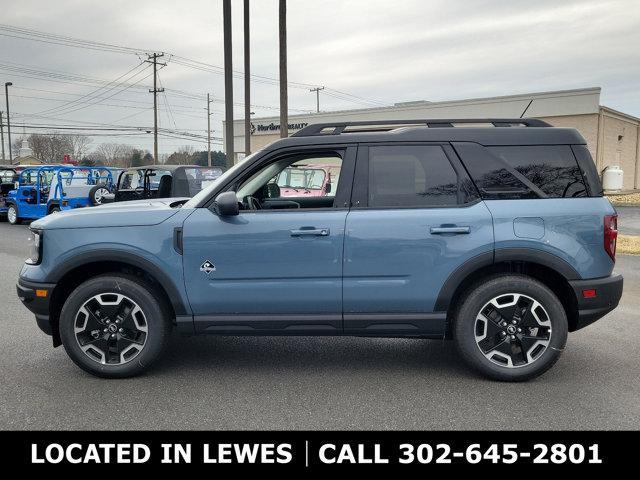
<point x="40" y="191"/>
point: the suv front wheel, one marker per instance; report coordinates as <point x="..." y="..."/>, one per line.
<point x="510" y="328"/>
<point x="114" y="326"/>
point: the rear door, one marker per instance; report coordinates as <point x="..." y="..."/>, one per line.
<point x="415" y="218"/>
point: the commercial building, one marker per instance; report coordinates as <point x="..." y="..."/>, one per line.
<point x="612" y="137"/>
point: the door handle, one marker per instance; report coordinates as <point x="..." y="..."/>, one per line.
<point x="453" y="229"/>
<point x="314" y="232"/>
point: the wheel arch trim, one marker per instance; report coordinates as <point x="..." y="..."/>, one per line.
<point x="81" y="259"/>
<point x="483" y="260"/>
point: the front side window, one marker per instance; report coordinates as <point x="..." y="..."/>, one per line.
<point x="155" y="176"/>
<point x="297" y="181"/>
<point x="130" y="180"/>
<point x="412" y="176"/>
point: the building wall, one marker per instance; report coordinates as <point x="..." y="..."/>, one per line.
<point x="587" y="125"/>
<point x="620" y="147"/>
<point x="579" y="109"/>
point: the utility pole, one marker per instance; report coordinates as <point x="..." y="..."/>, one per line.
<point x="6" y="93"/>
<point x="284" y="101"/>
<point x="2" y="135"/>
<point x="247" y="81"/>
<point x="208" y="131"/>
<point x="228" y="82"/>
<point x="153" y="59"/>
<point x="317" y="90"/>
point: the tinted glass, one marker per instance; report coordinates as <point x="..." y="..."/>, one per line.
<point x="553" y="169"/>
<point x="411" y="176"/>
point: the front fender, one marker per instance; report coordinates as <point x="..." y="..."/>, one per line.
<point x="137" y="258"/>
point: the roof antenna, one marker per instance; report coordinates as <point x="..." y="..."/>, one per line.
<point x="525" y="110"/>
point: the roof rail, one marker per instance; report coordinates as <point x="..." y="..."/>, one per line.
<point x="336" y="128"/>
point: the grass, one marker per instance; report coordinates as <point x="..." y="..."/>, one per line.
<point x="625" y="199"/>
<point x="629" y="244"/>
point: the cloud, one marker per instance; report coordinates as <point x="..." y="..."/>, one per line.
<point x="379" y="50"/>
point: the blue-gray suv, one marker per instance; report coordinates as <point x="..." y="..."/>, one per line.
<point x="492" y="232"/>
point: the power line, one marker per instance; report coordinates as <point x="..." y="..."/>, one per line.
<point x="29" y="34"/>
<point x="92" y="95"/>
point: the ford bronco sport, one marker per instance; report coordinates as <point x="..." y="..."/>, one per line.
<point x="493" y="233"/>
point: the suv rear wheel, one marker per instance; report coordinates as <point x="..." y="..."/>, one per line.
<point x="114" y="326"/>
<point x="510" y="328"/>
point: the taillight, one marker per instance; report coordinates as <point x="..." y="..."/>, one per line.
<point x="610" y="235"/>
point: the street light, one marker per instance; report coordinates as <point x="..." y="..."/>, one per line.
<point x="6" y="94"/>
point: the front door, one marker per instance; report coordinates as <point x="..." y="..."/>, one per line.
<point x="277" y="266"/>
<point x="415" y="219"/>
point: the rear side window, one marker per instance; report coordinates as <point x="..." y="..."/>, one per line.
<point x="552" y="169"/>
<point x="414" y="176"/>
<point x="521" y="172"/>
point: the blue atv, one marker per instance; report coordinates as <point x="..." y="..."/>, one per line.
<point x="40" y="191"/>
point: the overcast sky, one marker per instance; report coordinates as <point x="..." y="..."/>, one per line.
<point x="382" y="52"/>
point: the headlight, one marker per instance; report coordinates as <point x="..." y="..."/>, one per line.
<point x="35" y="247"/>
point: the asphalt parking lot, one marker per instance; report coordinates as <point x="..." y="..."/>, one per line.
<point x="628" y="220"/>
<point x="316" y="383"/>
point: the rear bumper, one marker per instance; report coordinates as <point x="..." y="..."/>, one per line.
<point x="608" y="291"/>
<point x="38" y="304"/>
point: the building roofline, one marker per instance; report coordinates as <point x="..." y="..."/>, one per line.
<point x="445" y="103"/>
<point x="618" y="113"/>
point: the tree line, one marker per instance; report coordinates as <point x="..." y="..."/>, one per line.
<point x="52" y="149"/>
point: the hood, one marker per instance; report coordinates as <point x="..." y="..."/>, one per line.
<point x="119" y="214"/>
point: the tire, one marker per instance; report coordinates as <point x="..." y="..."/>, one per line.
<point x="12" y="215"/>
<point x="89" y="318"/>
<point x="528" y="345"/>
<point x="54" y="209"/>
<point x="97" y="193"/>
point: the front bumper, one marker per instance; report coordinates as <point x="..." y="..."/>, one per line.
<point x="608" y="291"/>
<point x="36" y="297"/>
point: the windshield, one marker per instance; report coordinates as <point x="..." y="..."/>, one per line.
<point x="6" y="176"/>
<point x="304" y="178"/>
<point x="204" y="193"/>
<point x="199" y="178"/>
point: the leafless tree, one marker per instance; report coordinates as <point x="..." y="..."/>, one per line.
<point x="80" y="145"/>
<point x="184" y="156"/>
<point x="39" y="144"/>
<point x="116" y="154"/>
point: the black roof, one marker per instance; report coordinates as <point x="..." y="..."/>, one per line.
<point x="500" y="131"/>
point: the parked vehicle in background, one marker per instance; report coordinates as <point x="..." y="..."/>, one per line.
<point x="40" y="191"/>
<point x="163" y="181"/>
<point x="495" y="235"/>
<point x="7" y="183"/>
<point x="308" y="180"/>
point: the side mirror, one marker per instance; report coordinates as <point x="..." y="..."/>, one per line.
<point x="327" y="187"/>
<point x="226" y="204"/>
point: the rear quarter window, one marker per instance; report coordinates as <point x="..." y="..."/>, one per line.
<point x="523" y="171"/>
<point x="553" y="169"/>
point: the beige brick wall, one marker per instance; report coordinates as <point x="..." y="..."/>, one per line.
<point x="587" y="125"/>
<point x="622" y="152"/>
<point x="620" y="147"/>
